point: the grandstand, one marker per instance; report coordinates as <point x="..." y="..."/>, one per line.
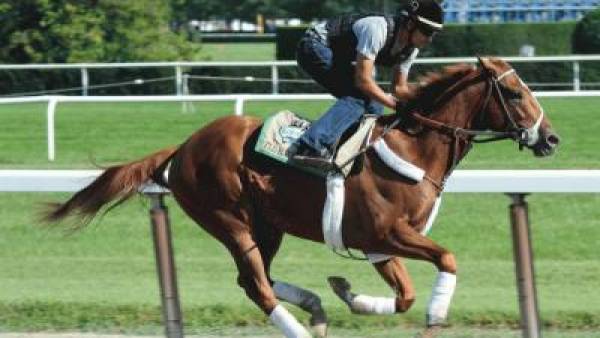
<point x="498" y="11"/>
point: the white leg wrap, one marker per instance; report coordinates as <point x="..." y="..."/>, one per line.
<point x="287" y="323"/>
<point x="441" y="295"/>
<point x="373" y="305"/>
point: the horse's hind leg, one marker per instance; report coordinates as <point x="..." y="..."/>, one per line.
<point x="236" y="235"/>
<point x="253" y="279"/>
<point x="394" y="272"/>
<point x="269" y="240"/>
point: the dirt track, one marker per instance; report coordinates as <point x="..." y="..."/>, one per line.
<point x="94" y="335"/>
<point x="91" y="335"/>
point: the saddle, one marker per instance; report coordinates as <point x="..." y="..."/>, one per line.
<point x="279" y="139"/>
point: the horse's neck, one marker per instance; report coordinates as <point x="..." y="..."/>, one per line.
<point x="431" y="150"/>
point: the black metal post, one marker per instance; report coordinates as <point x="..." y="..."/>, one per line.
<point x="165" y="266"/>
<point x="524" y="270"/>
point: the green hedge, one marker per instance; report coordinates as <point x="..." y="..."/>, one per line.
<point x="469" y="40"/>
<point x="286" y="40"/>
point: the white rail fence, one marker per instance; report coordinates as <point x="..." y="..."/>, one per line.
<point x="516" y="183"/>
<point x="238" y="99"/>
<point x="180" y="76"/>
<point x="461" y="181"/>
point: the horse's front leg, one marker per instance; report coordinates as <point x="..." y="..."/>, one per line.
<point x="394" y="272"/>
<point x="403" y="240"/>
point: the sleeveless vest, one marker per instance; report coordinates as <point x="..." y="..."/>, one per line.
<point x="343" y="41"/>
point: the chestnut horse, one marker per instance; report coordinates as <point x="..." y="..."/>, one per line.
<point x="248" y="202"/>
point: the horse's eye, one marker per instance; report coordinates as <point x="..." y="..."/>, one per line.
<point x="511" y="94"/>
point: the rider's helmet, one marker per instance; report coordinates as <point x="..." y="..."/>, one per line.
<point x="427" y="14"/>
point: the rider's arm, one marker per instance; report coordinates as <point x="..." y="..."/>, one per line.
<point x="371" y="33"/>
<point x="363" y="79"/>
<point x="400" y="87"/>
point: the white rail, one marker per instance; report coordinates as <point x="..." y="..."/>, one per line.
<point x="462" y="181"/>
<point x="238" y="99"/>
<point x="275" y="65"/>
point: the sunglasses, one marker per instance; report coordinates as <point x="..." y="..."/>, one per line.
<point x="427" y="30"/>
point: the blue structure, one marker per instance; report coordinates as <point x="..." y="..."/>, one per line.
<point x="498" y="11"/>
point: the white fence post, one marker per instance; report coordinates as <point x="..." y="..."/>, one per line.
<point x="239" y="105"/>
<point x="576" y="76"/>
<point x="50" y="119"/>
<point x="178" y="80"/>
<point x="85" y="81"/>
<point x="188" y="107"/>
<point x="275" y="79"/>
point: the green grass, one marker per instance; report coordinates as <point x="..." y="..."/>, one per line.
<point x="123" y="131"/>
<point x="256" y="51"/>
<point x="104" y="278"/>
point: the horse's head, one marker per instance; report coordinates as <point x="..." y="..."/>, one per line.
<point x="511" y="107"/>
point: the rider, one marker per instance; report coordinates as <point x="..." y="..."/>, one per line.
<point x="341" y="55"/>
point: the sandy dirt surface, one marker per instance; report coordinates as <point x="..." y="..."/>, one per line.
<point x="92" y="335"/>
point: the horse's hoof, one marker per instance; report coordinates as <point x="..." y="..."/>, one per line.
<point x="431" y="332"/>
<point x="341" y="287"/>
<point x="320" y="330"/>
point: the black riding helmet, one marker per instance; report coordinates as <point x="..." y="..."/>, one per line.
<point x="427" y="14"/>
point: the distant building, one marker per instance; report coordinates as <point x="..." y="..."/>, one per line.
<point x="497" y="11"/>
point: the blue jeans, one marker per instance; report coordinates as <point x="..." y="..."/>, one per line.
<point x="336" y="74"/>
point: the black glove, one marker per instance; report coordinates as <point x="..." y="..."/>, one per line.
<point x="401" y="107"/>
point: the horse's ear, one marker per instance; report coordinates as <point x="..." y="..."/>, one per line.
<point x="482" y="64"/>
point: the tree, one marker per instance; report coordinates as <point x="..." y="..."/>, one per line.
<point x="89" y="31"/>
<point x="586" y="36"/>
<point x="586" y="40"/>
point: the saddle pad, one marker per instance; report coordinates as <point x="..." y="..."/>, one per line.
<point x="280" y="132"/>
<point x="278" y="138"/>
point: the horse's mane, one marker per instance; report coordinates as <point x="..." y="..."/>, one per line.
<point x="434" y="84"/>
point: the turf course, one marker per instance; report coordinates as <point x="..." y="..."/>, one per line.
<point x="104" y="277"/>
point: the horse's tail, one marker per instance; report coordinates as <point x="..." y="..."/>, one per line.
<point x="115" y="185"/>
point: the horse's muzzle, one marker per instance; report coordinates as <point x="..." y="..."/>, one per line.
<point x="547" y="143"/>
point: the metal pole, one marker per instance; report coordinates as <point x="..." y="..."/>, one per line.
<point x="165" y="265"/>
<point x="524" y="270"/>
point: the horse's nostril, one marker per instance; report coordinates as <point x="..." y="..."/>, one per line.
<point x="552" y="140"/>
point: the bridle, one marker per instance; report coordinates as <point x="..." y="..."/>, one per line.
<point x="523" y="136"/>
